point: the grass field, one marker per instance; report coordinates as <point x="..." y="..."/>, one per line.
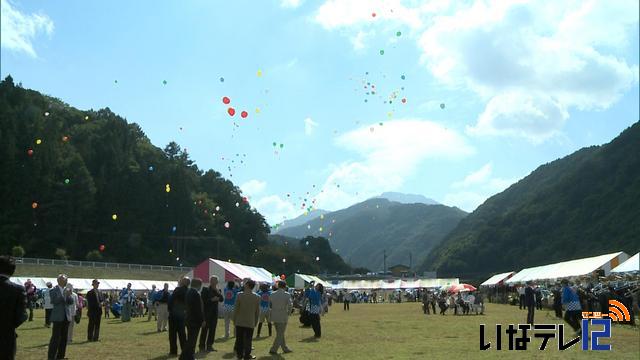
<point x="368" y="331"/>
<point x="92" y="273"/>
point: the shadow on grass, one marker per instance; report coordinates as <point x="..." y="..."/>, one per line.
<point x="229" y="356"/>
<point x="164" y="357"/>
<point x="37" y="346"/>
<point x="310" y="339"/>
<point x="150" y="333"/>
<point x="278" y="356"/>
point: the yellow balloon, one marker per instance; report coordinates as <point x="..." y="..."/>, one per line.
<point x="257" y="110"/>
<point x="38" y="141"/>
<point x="259" y="73"/>
<point x="114" y="217"/>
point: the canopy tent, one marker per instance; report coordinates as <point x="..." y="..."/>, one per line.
<point x="105" y="284"/>
<point x="392" y="284"/>
<point x="632" y="264"/>
<point x="498" y="279"/>
<point x="228" y="271"/>
<point x="301" y="281"/>
<point x="570" y="268"/>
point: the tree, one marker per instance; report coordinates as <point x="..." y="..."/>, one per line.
<point x="17" y="251"/>
<point x="94" y="255"/>
<point x="62" y="254"/>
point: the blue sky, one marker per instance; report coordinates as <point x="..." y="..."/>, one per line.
<point x="522" y="84"/>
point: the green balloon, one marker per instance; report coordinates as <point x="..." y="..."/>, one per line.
<point x="66" y="181"/>
<point x="398" y="33"/>
<point x="381" y="52"/>
<point x="281" y="146"/>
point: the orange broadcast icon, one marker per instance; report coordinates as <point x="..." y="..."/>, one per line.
<point x="617" y="311"/>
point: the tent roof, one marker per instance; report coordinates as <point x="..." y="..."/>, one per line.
<point x="245" y="271"/>
<point x="309" y="278"/>
<point x="496" y="279"/>
<point x="563" y="269"/>
<point x="632" y="264"/>
<point x="105" y="284"/>
<point x="393" y="284"/>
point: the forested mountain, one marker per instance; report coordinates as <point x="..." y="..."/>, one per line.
<point x="585" y="204"/>
<point x="407" y="198"/>
<point x="362" y="232"/>
<point x="88" y="184"/>
<point x="302" y="219"/>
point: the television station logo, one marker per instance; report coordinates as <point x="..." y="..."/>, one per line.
<point x="519" y="336"/>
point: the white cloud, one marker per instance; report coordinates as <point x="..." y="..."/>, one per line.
<point x="291" y="3"/>
<point x="309" y="126"/>
<point x="475" y="188"/>
<point x="530" y="62"/>
<point x="18" y="30"/>
<point x="533" y="61"/>
<point x="390" y="153"/>
<point x="344" y="13"/>
<point x="253" y="187"/>
<point x="275" y="209"/>
<point x="476" y="177"/>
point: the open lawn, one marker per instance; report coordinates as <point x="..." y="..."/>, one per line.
<point x="93" y="273"/>
<point x="368" y="331"/>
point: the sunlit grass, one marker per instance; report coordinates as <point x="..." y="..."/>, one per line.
<point x="368" y="331"/>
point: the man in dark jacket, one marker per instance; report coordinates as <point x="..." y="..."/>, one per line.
<point x="13" y="308"/>
<point x="177" y="309"/>
<point x="530" y="301"/>
<point x="211" y="296"/>
<point x="194" y="318"/>
<point x="94" y="311"/>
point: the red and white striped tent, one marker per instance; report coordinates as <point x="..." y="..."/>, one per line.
<point x="228" y="271"/>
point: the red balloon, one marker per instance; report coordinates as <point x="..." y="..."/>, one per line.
<point x="226" y="100"/>
<point x="244" y="114"/>
<point x="231" y="111"/>
<point x="30" y="152"/>
<point x="373" y="14"/>
<point x="101" y="247"/>
<point x="404" y="100"/>
<point x="282" y="277"/>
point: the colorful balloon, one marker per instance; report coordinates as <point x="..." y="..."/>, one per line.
<point x="164" y="82"/>
<point x="101" y="247"/>
<point x="67" y="181"/>
<point x="226" y="100"/>
<point x="381" y="52"/>
<point x="30" y="152"/>
<point x="442" y="106"/>
<point x="244" y="114"/>
<point x="38" y="141"/>
<point x="402" y="77"/>
<point x="227" y="225"/>
<point x="34" y="205"/>
<point x="114" y="217"/>
<point x="231" y="111"/>
<point x="65" y="138"/>
<point x="221" y="79"/>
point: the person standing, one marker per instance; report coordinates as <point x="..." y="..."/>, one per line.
<point x="31" y="296"/>
<point x="13" y="308"/>
<point x="571" y="303"/>
<point x="281" y="305"/>
<point x="151" y="307"/>
<point x="425" y="302"/>
<point x="530" y="302"/>
<point x="210" y="298"/>
<point x="316" y="309"/>
<point x="230" y="295"/>
<point x="127" y="299"/>
<point x="72" y="309"/>
<point x="265" y="313"/>
<point x="432" y="301"/>
<point x="161" y="300"/>
<point x="176" y="306"/>
<point x="94" y="311"/>
<point x="245" y="319"/>
<point x="194" y="318"/>
<point x="538" y="292"/>
<point x="557" y="301"/>
<point x="346" y="300"/>
<point x="47" y="304"/>
<point x="60" y="298"/>
<point x="520" y="290"/>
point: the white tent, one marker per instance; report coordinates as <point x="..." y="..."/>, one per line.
<point x="105" y="284"/>
<point x="632" y="264"/>
<point x="228" y="271"/>
<point x="570" y="268"/>
<point x="498" y="279"/>
<point x="393" y="284"/>
<point x="301" y="281"/>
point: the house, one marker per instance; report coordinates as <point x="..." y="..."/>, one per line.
<point x="399" y="270"/>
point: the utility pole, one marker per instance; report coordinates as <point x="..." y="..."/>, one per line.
<point x="384" y="255"/>
<point x="410" y="263"/>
